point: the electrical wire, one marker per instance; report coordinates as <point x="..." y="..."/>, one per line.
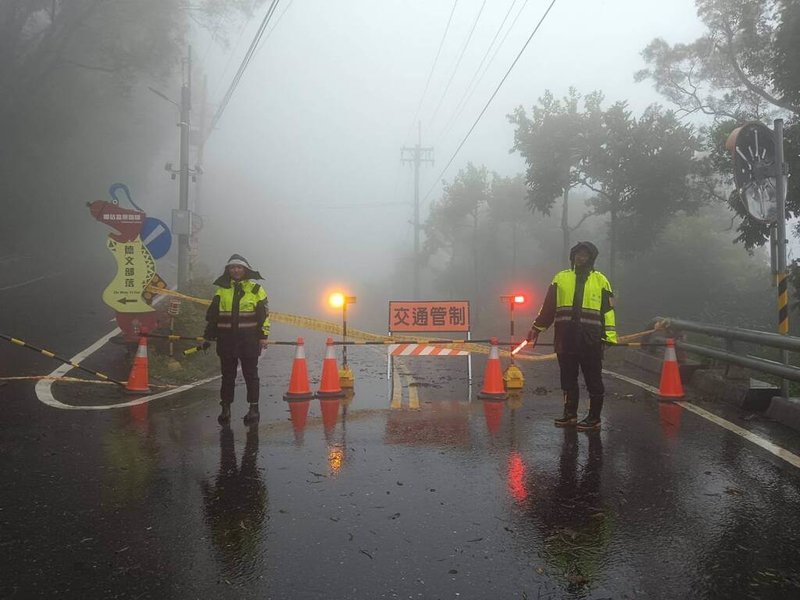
<point x="486" y="106"/>
<point x="277" y="22"/>
<point x="470" y="89"/>
<point x="238" y="41"/>
<point x="433" y="68"/>
<point x="243" y="66"/>
<point x="458" y="62"/>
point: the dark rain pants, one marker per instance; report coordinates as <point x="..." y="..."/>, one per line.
<point x="249" y="370"/>
<point x="589" y="360"/>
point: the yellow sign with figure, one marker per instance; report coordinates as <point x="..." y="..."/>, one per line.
<point x="135" y="270"/>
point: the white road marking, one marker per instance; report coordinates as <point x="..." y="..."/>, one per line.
<point x="45" y="394"/>
<point x="24" y="283"/>
<point x="778" y="451"/>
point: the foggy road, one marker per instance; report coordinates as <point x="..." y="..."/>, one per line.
<point x="571" y="167"/>
<point x="459" y="498"/>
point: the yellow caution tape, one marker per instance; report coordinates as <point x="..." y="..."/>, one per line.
<point x="336" y="329"/>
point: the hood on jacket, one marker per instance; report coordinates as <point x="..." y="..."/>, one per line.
<point x="224" y="280"/>
<point x="589" y="247"/>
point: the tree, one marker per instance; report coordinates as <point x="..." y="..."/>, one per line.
<point x="744" y="67"/>
<point x="553" y="142"/>
<point x="507" y="207"/>
<point x="734" y="68"/>
<point x="640" y="170"/>
<point x="461" y="202"/>
<point x="75" y="114"/>
<point x="694" y="272"/>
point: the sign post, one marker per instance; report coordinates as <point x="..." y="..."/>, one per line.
<point x="760" y="175"/>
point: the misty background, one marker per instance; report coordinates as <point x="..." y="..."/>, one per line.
<point x="303" y="175"/>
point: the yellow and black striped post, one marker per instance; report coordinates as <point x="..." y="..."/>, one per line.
<point x="783" y="303"/>
<point x="48" y="354"/>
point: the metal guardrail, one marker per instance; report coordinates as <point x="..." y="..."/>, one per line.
<point x="763" y="338"/>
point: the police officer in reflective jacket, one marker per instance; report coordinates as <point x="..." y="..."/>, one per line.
<point x="238" y="319"/>
<point x="581" y="304"/>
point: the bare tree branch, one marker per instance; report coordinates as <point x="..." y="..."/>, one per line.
<point x="585" y="216"/>
<point x="728" y="50"/>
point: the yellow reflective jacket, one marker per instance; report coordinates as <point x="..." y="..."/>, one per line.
<point x="240" y="307"/>
<point x="589" y="321"/>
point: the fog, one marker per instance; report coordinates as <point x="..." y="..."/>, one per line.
<point x="303" y="173"/>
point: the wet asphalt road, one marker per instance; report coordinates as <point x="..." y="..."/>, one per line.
<point x="459" y="499"/>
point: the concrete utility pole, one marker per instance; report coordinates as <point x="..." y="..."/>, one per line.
<point x="183" y="190"/>
<point x="418" y="154"/>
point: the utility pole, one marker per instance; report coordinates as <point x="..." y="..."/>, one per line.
<point x="417" y="155"/>
<point x="183" y="190"/>
<point x="199" y="140"/>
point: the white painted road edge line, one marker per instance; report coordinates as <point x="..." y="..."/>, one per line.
<point x="45" y="394"/>
<point x="782" y="453"/>
<point x="24" y="283"/>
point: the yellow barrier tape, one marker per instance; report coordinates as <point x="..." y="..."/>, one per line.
<point x="336" y="329"/>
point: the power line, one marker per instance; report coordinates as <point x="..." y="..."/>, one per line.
<point x="497" y="89"/>
<point x="275" y="26"/>
<point x="470" y="89"/>
<point x="433" y="68"/>
<point x="458" y="62"/>
<point x="243" y="66"/>
<point x="238" y="41"/>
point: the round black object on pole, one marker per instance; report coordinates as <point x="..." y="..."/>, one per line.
<point x="755" y="169"/>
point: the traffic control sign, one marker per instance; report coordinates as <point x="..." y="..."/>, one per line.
<point x="156" y="236"/>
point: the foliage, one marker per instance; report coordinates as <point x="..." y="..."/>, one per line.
<point x="734" y="69"/>
<point x="461" y="199"/>
<point x="553" y="141"/>
<point x="180" y="369"/>
<point x="75" y="113"/>
<point x="640" y="170"/>
<point x="695" y="273"/>
<point x="744" y="67"/>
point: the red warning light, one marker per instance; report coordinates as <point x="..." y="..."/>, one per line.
<point x="519" y="299"/>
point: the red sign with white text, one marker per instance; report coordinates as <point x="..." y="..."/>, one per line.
<point x="428" y="315"/>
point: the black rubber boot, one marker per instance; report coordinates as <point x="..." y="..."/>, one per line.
<point x="592" y="420"/>
<point x="252" y="417"/>
<point x="590" y="423"/>
<point x="224" y="416"/>
<point x="570" y="416"/>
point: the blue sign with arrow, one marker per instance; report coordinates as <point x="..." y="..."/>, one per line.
<point x="156" y="237"/>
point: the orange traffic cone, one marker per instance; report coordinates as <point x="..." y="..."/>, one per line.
<point x="670" y="386"/>
<point x="298" y="383"/>
<point x="493" y="388"/>
<point x="329" y="386"/>
<point x="138" y="380"/>
<point x="330" y="412"/>
<point x="493" y="411"/>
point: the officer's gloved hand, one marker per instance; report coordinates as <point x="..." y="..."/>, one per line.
<point x="533" y="334"/>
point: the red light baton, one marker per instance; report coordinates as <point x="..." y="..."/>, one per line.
<point x="519" y="347"/>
